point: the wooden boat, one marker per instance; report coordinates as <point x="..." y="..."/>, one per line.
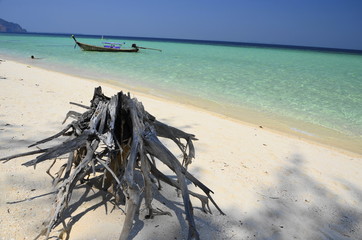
<point x="113" y="47"/>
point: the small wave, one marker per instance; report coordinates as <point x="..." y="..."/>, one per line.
<point x="303" y="132"/>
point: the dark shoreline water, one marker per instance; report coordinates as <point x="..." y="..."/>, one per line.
<point x="204" y="42"/>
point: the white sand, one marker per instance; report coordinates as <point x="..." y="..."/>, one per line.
<point x="271" y="186"/>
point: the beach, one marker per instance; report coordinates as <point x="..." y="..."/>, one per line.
<point x="271" y="185"/>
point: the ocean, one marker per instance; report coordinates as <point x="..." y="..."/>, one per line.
<point x="313" y="93"/>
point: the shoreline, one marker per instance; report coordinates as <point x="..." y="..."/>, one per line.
<point x="270" y="185"/>
<point x="286" y="126"/>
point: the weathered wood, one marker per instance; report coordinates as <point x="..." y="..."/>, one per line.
<point x="116" y="137"/>
<point x="61" y="133"/>
<point x="61" y="149"/>
<point x="160" y="176"/>
<point x="6" y="159"/>
<point x="175" y="134"/>
<point x="80" y="105"/>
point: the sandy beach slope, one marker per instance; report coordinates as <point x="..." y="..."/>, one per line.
<point x="271" y="186"/>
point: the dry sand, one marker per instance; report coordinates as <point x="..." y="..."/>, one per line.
<point x="271" y="186"/>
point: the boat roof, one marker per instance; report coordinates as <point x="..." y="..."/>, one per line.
<point x="114" y="43"/>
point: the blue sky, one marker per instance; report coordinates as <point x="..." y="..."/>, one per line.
<point x="321" y="23"/>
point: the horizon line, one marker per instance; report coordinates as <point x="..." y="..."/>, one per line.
<point x="210" y="42"/>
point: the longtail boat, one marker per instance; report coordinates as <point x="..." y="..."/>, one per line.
<point x="109" y="47"/>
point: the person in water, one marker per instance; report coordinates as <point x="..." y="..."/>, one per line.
<point x="32" y="57"/>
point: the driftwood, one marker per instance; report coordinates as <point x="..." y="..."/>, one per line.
<point x="116" y="137"/>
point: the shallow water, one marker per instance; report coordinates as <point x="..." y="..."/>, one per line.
<point x="310" y="93"/>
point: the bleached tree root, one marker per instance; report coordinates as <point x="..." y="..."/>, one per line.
<point x="117" y="137"/>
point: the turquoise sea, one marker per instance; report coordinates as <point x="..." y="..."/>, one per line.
<point x="315" y="94"/>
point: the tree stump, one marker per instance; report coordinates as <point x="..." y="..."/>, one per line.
<point x="116" y="137"/>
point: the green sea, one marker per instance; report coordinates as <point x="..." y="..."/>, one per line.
<point x="312" y="93"/>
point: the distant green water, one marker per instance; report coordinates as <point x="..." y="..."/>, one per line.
<point x="319" y="88"/>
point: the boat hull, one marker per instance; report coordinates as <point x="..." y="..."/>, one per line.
<point x="87" y="47"/>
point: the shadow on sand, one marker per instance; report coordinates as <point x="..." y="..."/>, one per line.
<point x="298" y="207"/>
